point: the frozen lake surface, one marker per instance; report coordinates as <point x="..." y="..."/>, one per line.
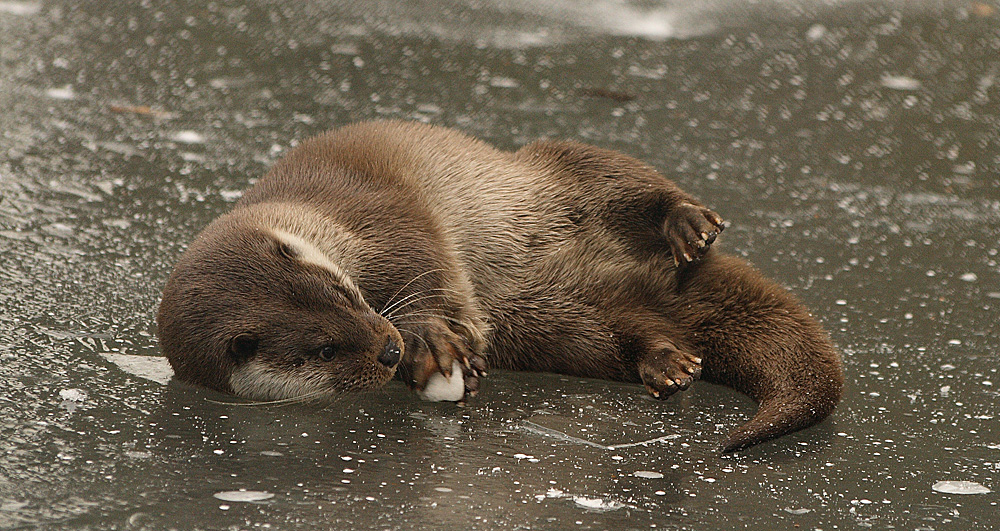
<point x="853" y="146"/>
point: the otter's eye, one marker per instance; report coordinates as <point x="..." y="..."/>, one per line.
<point x="287" y="251"/>
<point x="326" y="353"/>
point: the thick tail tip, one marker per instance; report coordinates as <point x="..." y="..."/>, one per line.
<point x="779" y="416"/>
<point x="746" y="436"/>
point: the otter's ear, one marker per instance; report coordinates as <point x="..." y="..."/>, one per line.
<point x="243" y="346"/>
<point x="287" y="251"/>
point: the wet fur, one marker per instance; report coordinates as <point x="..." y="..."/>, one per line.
<point x="561" y="257"/>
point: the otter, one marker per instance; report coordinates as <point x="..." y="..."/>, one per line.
<point x="391" y="248"/>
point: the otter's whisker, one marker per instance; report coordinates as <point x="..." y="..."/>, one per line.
<point x="414" y="301"/>
<point x="280" y="402"/>
<point x="399" y="319"/>
<point x="418" y="336"/>
<point x="388" y="310"/>
<point x="340" y="398"/>
<point x="400" y="290"/>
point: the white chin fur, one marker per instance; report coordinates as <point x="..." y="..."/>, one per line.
<point x="442" y="389"/>
<point x="258" y="381"/>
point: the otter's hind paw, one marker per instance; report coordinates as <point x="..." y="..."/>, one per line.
<point x="690" y="231"/>
<point x="667" y="370"/>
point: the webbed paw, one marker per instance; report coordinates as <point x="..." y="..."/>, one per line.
<point x="666" y="370"/>
<point x="690" y="231"/>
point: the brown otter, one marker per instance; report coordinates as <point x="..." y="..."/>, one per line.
<point x="390" y="241"/>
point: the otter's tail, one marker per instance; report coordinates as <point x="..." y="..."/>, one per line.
<point x="762" y="341"/>
<point x="795" y="385"/>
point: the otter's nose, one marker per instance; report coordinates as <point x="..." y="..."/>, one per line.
<point x="390" y="356"/>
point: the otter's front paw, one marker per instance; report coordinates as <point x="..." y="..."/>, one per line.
<point x="666" y="370"/>
<point x="439" y="364"/>
<point x="690" y="230"/>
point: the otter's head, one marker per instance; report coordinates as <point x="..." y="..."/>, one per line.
<point x="262" y="313"/>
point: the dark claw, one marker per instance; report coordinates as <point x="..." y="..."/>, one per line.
<point x="478" y="363"/>
<point x="471" y="385"/>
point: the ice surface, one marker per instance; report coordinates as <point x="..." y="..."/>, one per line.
<point x="12" y="505"/>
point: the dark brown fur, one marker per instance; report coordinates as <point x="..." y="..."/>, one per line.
<point x="560" y="257"/>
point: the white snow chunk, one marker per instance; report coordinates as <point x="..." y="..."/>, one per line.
<point x="964" y="169"/>
<point x="441" y="389"/>
<point x="230" y="195"/>
<point x="789" y="510"/>
<point x="188" y="137"/>
<point x="647" y="474"/>
<point x="969" y="277"/>
<point x="21" y="8"/>
<point x="597" y="504"/>
<point x="900" y="82"/>
<point x="73" y="395"/>
<point x="815" y="32"/>
<point x="138" y="455"/>
<point x="243" y="495"/>
<point x="960" y="487"/>
<point x="504" y="82"/>
<point x="61" y="93"/>
<point x="153" y="368"/>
